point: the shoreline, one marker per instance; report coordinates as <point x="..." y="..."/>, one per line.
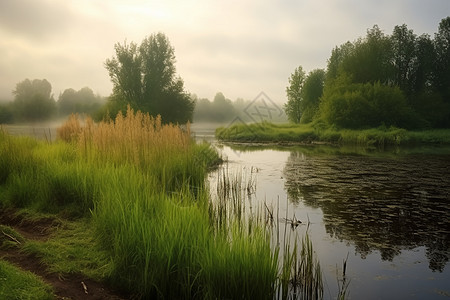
<point x="306" y="134"/>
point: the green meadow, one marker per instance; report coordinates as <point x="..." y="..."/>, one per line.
<point x="134" y="211"/>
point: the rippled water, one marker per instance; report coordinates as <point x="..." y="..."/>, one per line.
<point x="388" y="211"/>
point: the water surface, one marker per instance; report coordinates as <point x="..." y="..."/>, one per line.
<point x="388" y="211"/>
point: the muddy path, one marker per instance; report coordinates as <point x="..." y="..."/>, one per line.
<point x="65" y="286"/>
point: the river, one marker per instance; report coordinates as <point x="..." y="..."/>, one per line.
<point x="387" y="211"/>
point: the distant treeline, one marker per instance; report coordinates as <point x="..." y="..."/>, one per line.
<point x="400" y="80"/>
<point x="34" y="101"/>
<point x="223" y="110"/>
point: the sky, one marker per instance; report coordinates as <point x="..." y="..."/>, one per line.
<point x="239" y="48"/>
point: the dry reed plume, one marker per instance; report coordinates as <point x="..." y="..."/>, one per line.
<point x="136" y="137"/>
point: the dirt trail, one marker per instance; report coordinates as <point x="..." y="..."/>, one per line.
<point x="65" y="287"/>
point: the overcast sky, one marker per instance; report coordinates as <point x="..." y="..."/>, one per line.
<point x="239" y="48"/>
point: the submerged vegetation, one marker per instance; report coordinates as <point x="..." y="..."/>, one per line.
<point x="136" y="213"/>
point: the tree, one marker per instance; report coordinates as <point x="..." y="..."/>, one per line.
<point x="442" y="62"/>
<point x="6" y="113"/>
<point x="219" y="110"/>
<point x="222" y="108"/>
<point x="311" y="92"/>
<point x="370" y="60"/>
<point x="33" y="100"/>
<point x="364" y="105"/>
<point x="82" y="101"/>
<point x="145" y="77"/>
<point x="338" y="56"/>
<point x="423" y="72"/>
<point x="294" y="95"/>
<point x="404" y="57"/>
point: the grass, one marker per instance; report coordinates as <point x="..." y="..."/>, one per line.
<point x="18" y="284"/>
<point x="72" y="249"/>
<point x="318" y="133"/>
<point x="137" y="212"/>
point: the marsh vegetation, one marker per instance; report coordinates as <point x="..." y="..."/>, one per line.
<point x="132" y="197"/>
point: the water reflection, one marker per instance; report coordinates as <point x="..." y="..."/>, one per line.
<point x="384" y="203"/>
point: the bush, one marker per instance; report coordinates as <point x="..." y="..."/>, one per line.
<point x="357" y="106"/>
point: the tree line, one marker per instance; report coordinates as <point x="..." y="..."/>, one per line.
<point x="143" y="76"/>
<point x="34" y="101"/>
<point x="223" y="110"/>
<point x="400" y="80"/>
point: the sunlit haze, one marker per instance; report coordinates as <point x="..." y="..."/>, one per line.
<point x="239" y="48"/>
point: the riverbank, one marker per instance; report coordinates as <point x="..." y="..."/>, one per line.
<point x="269" y="133"/>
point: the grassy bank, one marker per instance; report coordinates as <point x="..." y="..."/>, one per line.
<point x="18" y="284"/>
<point x="137" y="213"/>
<point x="317" y="133"/>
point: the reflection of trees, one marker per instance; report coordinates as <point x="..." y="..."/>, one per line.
<point x="378" y="203"/>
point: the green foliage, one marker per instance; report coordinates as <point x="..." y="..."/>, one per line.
<point x="18" y="284"/>
<point x="319" y="132"/>
<point x="294" y="94"/>
<point x="370" y="59"/>
<point x="365" y="105"/>
<point x="33" y="100"/>
<point x="6" y="113"/>
<point x="145" y="78"/>
<point x="303" y="95"/>
<point x="403" y="43"/>
<point x="442" y="62"/>
<point x="312" y="92"/>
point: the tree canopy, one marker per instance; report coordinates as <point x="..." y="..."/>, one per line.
<point x="294" y="94"/>
<point x="82" y="101"/>
<point x="144" y="76"/>
<point x="303" y="93"/>
<point x="33" y="100"/>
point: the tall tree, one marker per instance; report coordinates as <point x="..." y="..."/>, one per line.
<point x="404" y="57"/>
<point x="293" y="107"/>
<point x="338" y="56"/>
<point x="145" y="77"/>
<point x="33" y="100"/>
<point x="370" y="60"/>
<point x="425" y="57"/>
<point x="442" y="62"/>
<point x="311" y="92"/>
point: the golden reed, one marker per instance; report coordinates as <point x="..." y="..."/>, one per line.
<point x="136" y="137"/>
